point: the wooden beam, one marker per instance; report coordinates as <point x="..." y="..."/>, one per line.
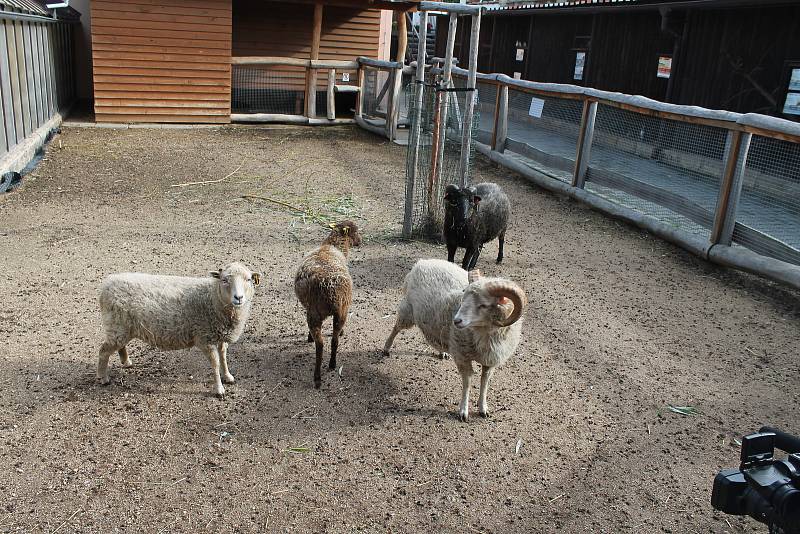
<point x="311" y="74"/>
<point x="730" y="188"/>
<point x="402" y="37"/>
<point x="584" y="147"/>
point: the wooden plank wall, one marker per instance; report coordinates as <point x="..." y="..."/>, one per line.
<point x="284" y="30"/>
<point x="36" y="76"/>
<point x="161" y="60"/>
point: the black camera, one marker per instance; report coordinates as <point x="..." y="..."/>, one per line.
<point x="766" y="489"/>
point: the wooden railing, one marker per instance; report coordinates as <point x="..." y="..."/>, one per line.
<point x="309" y="66"/>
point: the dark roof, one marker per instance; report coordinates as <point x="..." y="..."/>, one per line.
<point x="531" y="6"/>
<point x="508" y="6"/>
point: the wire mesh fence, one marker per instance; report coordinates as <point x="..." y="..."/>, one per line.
<point x="768" y="211"/>
<point x="375" y="93"/>
<point x="544" y="130"/>
<point x="270" y="89"/>
<point x="434" y="156"/>
<point x="664" y="168"/>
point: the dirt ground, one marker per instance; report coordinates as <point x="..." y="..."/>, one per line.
<point x="620" y="326"/>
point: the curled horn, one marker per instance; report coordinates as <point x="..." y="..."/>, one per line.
<point x="514" y="293"/>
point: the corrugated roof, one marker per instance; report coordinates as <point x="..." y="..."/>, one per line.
<point x="496" y="6"/>
<point x="24" y="6"/>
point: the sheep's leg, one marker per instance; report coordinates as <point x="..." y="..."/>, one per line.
<point x="474" y="261"/>
<point x="338" y="326"/>
<point x="213" y="358"/>
<point x="451" y="253"/>
<point x="124" y="359"/>
<point x="465" y="369"/>
<point x="315" y="327"/>
<point x="486" y="375"/>
<point x="227" y="377"/>
<point x="404" y="321"/>
<point x="501" y="239"/>
<point x="467" y="258"/>
<point x="106" y="350"/>
<point x="310" y="338"/>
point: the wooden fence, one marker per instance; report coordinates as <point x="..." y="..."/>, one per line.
<point x="37" y="77"/>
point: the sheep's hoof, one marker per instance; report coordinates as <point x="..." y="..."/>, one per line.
<point x="104" y="380"/>
<point x="126" y="364"/>
<point x="228" y="379"/>
<point x="499" y="260"/>
<point x="310" y="339"/>
<point x="443" y="356"/>
<point x="220" y="393"/>
<point x="463" y="416"/>
<point x="484" y="413"/>
<point x="317" y="383"/>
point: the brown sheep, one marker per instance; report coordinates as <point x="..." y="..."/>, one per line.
<point x="324" y="288"/>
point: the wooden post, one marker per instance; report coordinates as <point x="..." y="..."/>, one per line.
<point x="730" y="188"/>
<point x="501" y="120"/>
<point x="361" y="90"/>
<point x="396" y="78"/>
<point x="331" y="94"/>
<point x="311" y="73"/>
<point x="440" y="121"/>
<point x="472" y="83"/>
<point x="416" y="127"/>
<point x="585" y="136"/>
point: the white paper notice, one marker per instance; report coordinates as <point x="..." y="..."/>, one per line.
<point x="520" y="54"/>
<point x="345" y="76"/>
<point x="537" y="106"/>
<point x="517" y="75"/>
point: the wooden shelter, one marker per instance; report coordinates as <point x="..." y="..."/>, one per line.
<point x="177" y="60"/>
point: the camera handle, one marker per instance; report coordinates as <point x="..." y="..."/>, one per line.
<point x="783" y="441"/>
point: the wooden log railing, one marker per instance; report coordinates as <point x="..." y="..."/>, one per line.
<point x="309" y="89"/>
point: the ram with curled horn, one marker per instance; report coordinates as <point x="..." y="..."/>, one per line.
<point x="473" y="318"/>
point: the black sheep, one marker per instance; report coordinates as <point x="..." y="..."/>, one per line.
<point x="473" y="216"/>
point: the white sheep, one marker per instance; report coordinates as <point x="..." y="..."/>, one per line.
<point x="473" y="318"/>
<point x="176" y="312"/>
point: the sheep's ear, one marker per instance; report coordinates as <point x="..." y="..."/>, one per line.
<point x="474" y="275"/>
<point x="256" y="278"/>
<point x="450" y="191"/>
<point x="502" y="301"/>
<point x="476" y="199"/>
<point x="215" y="274"/>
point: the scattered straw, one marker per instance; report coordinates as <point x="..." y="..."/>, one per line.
<point x="206" y="182"/>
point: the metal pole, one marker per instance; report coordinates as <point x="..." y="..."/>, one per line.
<point x="466" y="130"/>
<point x="501" y="119"/>
<point x="440" y="126"/>
<point x="416" y="126"/>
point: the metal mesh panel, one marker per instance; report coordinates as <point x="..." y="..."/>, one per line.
<point x="544" y="130"/>
<point x="768" y="212"/>
<point x="278" y="90"/>
<point x="428" y="214"/>
<point x="664" y="168"/>
<point x="376" y="93"/>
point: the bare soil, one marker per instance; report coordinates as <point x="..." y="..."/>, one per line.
<point x="620" y="326"/>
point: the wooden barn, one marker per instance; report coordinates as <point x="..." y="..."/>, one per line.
<point x="738" y="55"/>
<point x="202" y="61"/>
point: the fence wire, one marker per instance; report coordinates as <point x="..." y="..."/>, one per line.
<point x="428" y="190"/>
<point x="664" y="168"/>
<point x="275" y="90"/>
<point x="544" y="130"/>
<point x="768" y="211"/>
<point x="375" y="93"/>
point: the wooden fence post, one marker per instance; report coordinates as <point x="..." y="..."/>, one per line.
<point x="361" y="90"/>
<point x="500" y="133"/>
<point x="331" y="94"/>
<point x="585" y="136"/>
<point x="730" y="188"/>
